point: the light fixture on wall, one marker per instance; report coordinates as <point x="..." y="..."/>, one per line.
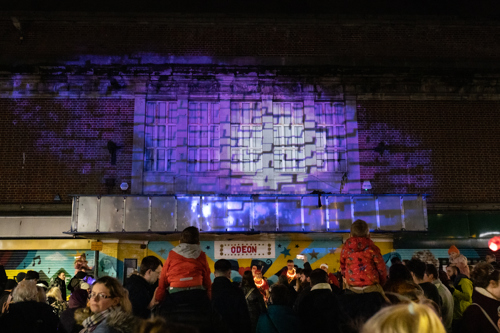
<point x="367" y="185"/>
<point x="57" y="197"/>
<point x="124" y="186"/>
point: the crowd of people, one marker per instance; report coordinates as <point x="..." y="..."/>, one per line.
<point x="179" y="296"/>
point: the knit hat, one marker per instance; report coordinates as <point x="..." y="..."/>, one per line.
<point x="453" y="249"/>
<point x="84" y="286"/>
<point x="323" y="265"/>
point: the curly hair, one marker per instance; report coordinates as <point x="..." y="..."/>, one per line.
<point x="483" y="273"/>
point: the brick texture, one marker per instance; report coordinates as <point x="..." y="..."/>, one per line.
<point x="64" y="145"/>
<point x="362" y="42"/>
<point x="449" y="150"/>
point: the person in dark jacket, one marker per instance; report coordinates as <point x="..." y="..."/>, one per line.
<point x="279" y="317"/>
<point x="485" y="297"/>
<point x="141" y="286"/>
<point x="75" y="282"/>
<point x="417" y="270"/>
<point x="4" y="296"/>
<point x="319" y="310"/>
<point x="254" y="299"/>
<point x="60" y="282"/>
<point x="26" y="314"/>
<point x="67" y="322"/>
<point x="229" y="300"/>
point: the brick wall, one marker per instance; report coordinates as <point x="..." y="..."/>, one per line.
<point x="448" y="149"/>
<point x="64" y="145"/>
<point x="403" y="42"/>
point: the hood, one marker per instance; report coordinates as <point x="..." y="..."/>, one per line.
<point x="190" y="251"/>
<point x="122" y="322"/>
<point x="358" y="244"/>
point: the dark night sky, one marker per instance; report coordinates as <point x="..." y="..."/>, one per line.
<point x="460" y="8"/>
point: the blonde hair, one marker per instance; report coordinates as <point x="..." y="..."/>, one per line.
<point x="404" y="318"/>
<point x="359" y="229"/>
<point x="56" y="293"/>
<point x="25" y="291"/>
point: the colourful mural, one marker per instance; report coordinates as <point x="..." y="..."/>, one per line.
<point x="48" y="263"/>
<point x="317" y="252"/>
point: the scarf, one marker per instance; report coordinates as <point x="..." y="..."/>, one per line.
<point x="91" y="322"/>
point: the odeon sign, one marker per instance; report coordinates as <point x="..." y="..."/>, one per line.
<point x="244" y="249"/>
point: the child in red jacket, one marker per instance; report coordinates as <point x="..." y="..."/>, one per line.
<point x="361" y="262"/>
<point x="186" y="267"/>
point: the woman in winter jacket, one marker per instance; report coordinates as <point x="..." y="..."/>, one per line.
<point x="482" y="314"/>
<point x="255" y="301"/>
<point x="55" y="300"/>
<point x="110" y="307"/>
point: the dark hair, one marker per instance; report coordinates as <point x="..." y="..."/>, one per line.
<point x="32" y="275"/>
<point x="20" y="276"/>
<point x="483" y="273"/>
<point x="406" y="288"/>
<point x="280" y="295"/>
<point x="190" y="235"/>
<point x="60" y="271"/>
<point x="282" y="279"/>
<point x="247" y="280"/>
<point x="399" y="272"/>
<point x="307" y="272"/>
<point x="417" y="267"/>
<point x="431" y="269"/>
<point x="359" y="229"/>
<point x="222" y="266"/>
<point x="149" y="263"/>
<point x="395" y="260"/>
<point x="10" y="284"/>
<point x="289" y="260"/>
<point x="318" y="276"/>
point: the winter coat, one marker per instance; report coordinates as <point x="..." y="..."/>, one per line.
<point x="319" y="310"/>
<point x="462" y="295"/>
<point x="118" y="322"/>
<point x="67" y="322"/>
<point x="473" y="319"/>
<point x="61" y="284"/>
<point x="229" y="301"/>
<point x="33" y="317"/>
<point x="140" y="293"/>
<point x="186" y="266"/>
<point x="57" y="306"/>
<point x="361" y="263"/>
<point x="278" y="319"/>
<point x="256" y="305"/>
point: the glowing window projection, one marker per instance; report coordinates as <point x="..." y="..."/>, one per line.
<point x="204" y="137"/>
<point x="330" y="137"/>
<point x="288" y="126"/>
<point x="160" y="136"/>
<point x="246" y="136"/>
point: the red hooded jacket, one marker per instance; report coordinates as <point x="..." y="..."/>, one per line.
<point x="361" y="263"/>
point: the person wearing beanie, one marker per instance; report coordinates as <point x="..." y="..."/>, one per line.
<point x="453" y="252"/>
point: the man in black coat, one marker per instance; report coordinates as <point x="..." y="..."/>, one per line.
<point x="60" y="282"/>
<point x="319" y="310"/>
<point x="141" y="286"/>
<point x="228" y="300"/>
